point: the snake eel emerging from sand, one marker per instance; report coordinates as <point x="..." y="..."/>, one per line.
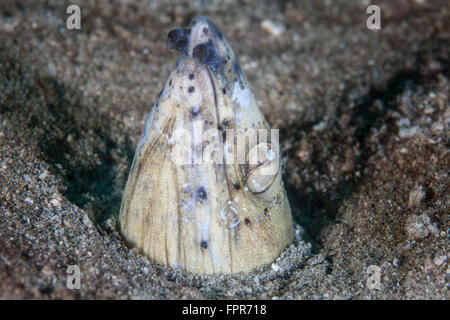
<point x="205" y="192"/>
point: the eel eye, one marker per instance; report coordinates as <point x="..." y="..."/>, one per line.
<point x="262" y="167"/>
<point x="208" y="54"/>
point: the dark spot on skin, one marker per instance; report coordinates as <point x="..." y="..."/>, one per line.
<point x="191" y="76"/>
<point x="224" y="134"/>
<point x="212" y="28"/>
<point x="178" y="39"/>
<point x="170" y="82"/>
<point x="237" y="186"/>
<point x="246" y="221"/>
<point x="195" y="111"/>
<point x="191" y="89"/>
<point x="224" y="91"/>
<point x="201" y="194"/>
<point x="204" y="244"/>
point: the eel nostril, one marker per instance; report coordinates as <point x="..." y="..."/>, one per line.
<point x="177" y="39"/>
<point x="173" y="34"/>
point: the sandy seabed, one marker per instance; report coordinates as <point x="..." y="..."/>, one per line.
<point x="363" y="118"/>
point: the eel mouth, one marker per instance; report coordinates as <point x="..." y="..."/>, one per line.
<point x="213" y="84"/>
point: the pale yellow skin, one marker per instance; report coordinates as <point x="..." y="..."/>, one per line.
<point x="203" y="217"/>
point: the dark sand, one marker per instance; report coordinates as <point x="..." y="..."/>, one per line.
<point x="364" y="119"/>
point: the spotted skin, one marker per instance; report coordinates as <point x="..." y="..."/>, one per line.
<point x="200" y="215"/>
